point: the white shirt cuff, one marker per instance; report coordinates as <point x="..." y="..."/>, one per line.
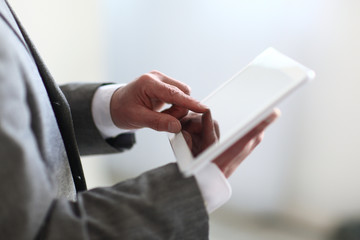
<point x="100" y="109"/>
<point x="214" y="187"/>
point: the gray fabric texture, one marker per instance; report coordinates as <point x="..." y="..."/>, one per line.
<point x="38" y="198"/>
<point x="88" y="137"/>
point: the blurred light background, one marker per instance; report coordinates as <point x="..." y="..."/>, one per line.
<point x="304" y="179"/>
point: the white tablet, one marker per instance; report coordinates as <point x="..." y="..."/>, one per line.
<point x="242" y="102"/>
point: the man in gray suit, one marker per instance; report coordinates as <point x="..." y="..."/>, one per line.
<point x="44" y="129"/>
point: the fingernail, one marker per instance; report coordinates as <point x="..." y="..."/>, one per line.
<point x="174" y="127"/>
<point x="203" y="106"/>
<point x="274" y="116"/>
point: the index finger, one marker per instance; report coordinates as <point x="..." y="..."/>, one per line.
<point x="173" y="95"/>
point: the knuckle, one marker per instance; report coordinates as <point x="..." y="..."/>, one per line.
<point x="187" y="89"/>
<point x="173" y="91"/>
<point x="156" y="72"/>
<point x="145" y="78"/>
<point x="144" y="81"/>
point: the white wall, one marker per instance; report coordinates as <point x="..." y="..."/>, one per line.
<point x="67" y="35"/>
<point x="307" y="165"/>
<point x="327" y="179"/>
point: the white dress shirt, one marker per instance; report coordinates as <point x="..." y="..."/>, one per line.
<point x="213" y="185"/>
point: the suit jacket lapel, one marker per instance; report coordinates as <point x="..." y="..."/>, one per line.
<point x="60" y="106"/>
<point x="6" y="15"/>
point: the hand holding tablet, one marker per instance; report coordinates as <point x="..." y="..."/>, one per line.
<point x="240" y="110"/>
<point x="231" y="158"/>
<point x="201" y="131"/>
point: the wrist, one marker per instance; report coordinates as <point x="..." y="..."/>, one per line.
<point x="101" y="110"/>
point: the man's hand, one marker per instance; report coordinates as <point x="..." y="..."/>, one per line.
<point x="233" y="156"/>
<point x="137" y="104"/>
<point x="201" y="131"/>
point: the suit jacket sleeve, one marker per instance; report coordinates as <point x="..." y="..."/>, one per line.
<point x="159" y="204"/>
<point x="79" y="97"/>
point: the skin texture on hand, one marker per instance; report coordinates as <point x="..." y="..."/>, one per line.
<point x="137" y="104"/>
<point x="200" y="131"/>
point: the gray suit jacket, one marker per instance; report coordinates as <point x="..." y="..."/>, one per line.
<point x="38" y="165"/>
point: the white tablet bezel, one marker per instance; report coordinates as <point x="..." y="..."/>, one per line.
<point x="270" y="58"/>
